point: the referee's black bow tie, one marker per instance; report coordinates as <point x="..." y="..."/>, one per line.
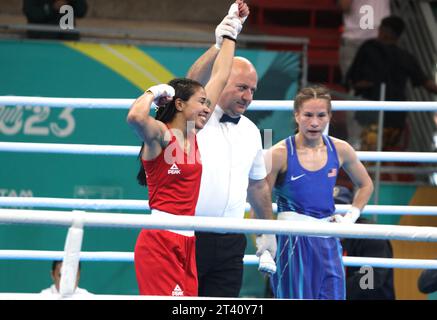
<point x="226" y="118"/>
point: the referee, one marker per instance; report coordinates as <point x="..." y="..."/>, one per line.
<point x="233" y="172"/>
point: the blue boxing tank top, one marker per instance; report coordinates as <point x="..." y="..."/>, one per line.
<point x="308" y="192"/>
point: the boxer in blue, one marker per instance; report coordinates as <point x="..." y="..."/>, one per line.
<point x="302" y="173"/>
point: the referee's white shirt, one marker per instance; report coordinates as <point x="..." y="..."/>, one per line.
<point x="231" y="154"/>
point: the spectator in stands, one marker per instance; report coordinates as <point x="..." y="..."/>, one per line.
<point x="48" y="12"/>
<point x="361" y="20"/>
<point x="427" y="282"/>
<point x="56" y="277"/>
<point x="383" y="288"/>
<point x="358" y="27"/>
<point x="379" y="61"/>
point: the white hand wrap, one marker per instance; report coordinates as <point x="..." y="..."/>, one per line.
<point x="350" y="216"/>
<point x="160" y="91"/>
<point x="266" y="242"/>
<point x="233" y="12"/>
<point x="228" y="27"/>
<point x="266" y="263"/>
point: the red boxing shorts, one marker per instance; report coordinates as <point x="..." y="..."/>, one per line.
<point x="165" y="263"/>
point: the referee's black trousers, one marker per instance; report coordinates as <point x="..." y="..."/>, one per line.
<point x="219" y="258"/>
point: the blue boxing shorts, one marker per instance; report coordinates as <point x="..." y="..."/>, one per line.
<point x="309" y="268"/>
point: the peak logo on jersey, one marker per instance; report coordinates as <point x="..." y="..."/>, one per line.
<point x="177" y="291"/>
<point x="174" y="169"/>
<point x="332" y="173"/>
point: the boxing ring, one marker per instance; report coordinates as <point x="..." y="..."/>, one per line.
<point x="76" y="218"/>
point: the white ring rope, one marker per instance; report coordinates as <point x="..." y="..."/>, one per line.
<point x="116" y="204"/>
<point x="213" y="224"/>
<point x="89" y="149"/>
<point x="256" y="105"/>
<point x="58" y="255"/>
<point x="117" y="150"/>
<point x="82" y="204"/>
<point x="82" y="103"/>
<point x="113" y="256"/>
<point x="348" y="105"/>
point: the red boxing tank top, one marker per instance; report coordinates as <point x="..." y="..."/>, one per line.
<point x="173" y="179"/>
